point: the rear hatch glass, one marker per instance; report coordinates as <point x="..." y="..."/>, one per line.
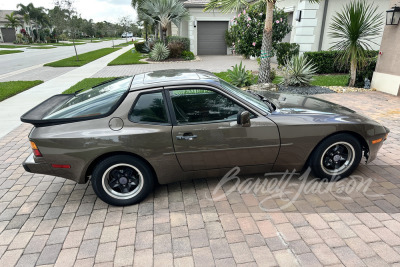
<point x="96" y="102"/>
<point x="93" y="102"/>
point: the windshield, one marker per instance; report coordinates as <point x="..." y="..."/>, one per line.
<point x="93" y="102"/>
<point x="252" y="99"/>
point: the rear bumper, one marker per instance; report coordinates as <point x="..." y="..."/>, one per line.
<point x="25" y="165"/>
<point x="32" y="166"/>
<point x="37" y="167"/>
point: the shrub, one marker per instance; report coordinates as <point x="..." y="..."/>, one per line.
<point x="229" y="38"/>
<point x="272" y="74"/>
<point x="240" y="77"/>
<point x="285" y="52"/>
<point x="160" y="52"/>
<point x="298" y="71"/>
<point x="326" y="61"/>
<point x="188" y="55"/>
<point x="247" y="30"/>
<point x="184" y="40"/>
<point x="62" y="37"/>
<point x="19" y="39"/>
<point x="175" y="49"/>
<point x="141" y="47"/>
<point x="366" y="72"/>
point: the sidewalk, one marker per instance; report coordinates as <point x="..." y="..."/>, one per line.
<point x="12" y="108"/>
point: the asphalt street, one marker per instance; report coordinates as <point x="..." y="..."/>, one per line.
<point x="32" y="57"/>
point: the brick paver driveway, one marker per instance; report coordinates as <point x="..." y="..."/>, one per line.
<point x="48" y="220"/>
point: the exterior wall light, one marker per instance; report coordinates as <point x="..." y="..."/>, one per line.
<point x="298" y="15"/>
<point x="393" y="16"/>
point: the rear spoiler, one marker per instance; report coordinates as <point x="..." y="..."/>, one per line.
<point x="35" y="115"/>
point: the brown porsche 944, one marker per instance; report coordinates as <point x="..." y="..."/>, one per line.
<point x="171" y="125"/>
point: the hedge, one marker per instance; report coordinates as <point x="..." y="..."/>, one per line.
<point x="326" y="61"/>
<point x="366" y="72"/>
<point x="285" y="51"/>
<point x="184" y="40"/>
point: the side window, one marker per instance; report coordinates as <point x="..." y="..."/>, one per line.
<point x="198" y="105"/>
<point x="149" y="108"/>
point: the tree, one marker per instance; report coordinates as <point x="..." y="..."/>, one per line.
<point x="58" y="18"/>
<point x="27" y="11"/>
<point x="88" y="28"/>
<point x="266" y="47"/>
<point x="41" y="19"/>
<point x="13" y="22"/>
<point x="355" y="26"/>
<point x="136" y="4"/>
<point x="100" y="29"/>
<point x="72" y="19"/>
<point x="245" y="34"/>
<point x="163" y="12"/>
<point x="125" y="22"/>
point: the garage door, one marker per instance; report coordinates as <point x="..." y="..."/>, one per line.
<point x="8" y="35"/>
<point x="211" y="37"/>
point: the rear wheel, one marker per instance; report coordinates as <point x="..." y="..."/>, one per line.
<point x="122" y="180"/>
<point x="336" y="157"/>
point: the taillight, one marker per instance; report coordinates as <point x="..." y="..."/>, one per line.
<point x="61" y="166"/>
<point x="35" y="149"/>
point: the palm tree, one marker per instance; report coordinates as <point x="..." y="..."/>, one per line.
<point x="136" y="4"/>
<point x="355" y="26"/>
<point x="163" y="12"/>
<point x="266" y="47"/>
<point x="27" y="11"/>
<point x="41" y="19"/>
<point x="13" y="22"/>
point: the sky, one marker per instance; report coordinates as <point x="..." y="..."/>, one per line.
<point x="98" y="10"/>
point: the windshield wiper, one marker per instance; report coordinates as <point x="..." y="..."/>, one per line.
<point x="77" y="92"/>
<point x="264" y="99"/>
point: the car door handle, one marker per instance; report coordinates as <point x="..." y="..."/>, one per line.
<point x="186" y="136"/>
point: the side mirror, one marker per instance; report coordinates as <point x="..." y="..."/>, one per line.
<point x="243" y="119"/>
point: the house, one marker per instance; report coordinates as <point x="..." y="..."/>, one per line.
<point x="387" y="73"/>
<point x="7" y="35"/>
<point x="311" y="22"/>
<point x="206" y="30"/>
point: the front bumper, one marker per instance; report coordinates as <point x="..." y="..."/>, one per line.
<point x="374" y="148"/>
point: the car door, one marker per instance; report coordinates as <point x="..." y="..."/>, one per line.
<point x="206" y="134"/>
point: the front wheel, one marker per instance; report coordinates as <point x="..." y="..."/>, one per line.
<point x="122" y="180"/>
<point x="336" y="157"/>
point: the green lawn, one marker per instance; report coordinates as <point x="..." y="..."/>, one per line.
<point x="5" y="52"/>
<point x="324" y="80"/>
<point x="319" y="80"/>
<point x="8" y="89"/>
<point x="68" y="44"/>
<point x="13" y="46"/>
<point x="41" y="47"/>
<point x="86" y="84"/>
<point x="277" y="80"/>
<point x="35" y="44"/>
<point x="128" y="58"/>
<point x="224" y="76"/>
<point x="124" y="44"/>
<point x="331" y="80"/>
<point x="83" y="58"/>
